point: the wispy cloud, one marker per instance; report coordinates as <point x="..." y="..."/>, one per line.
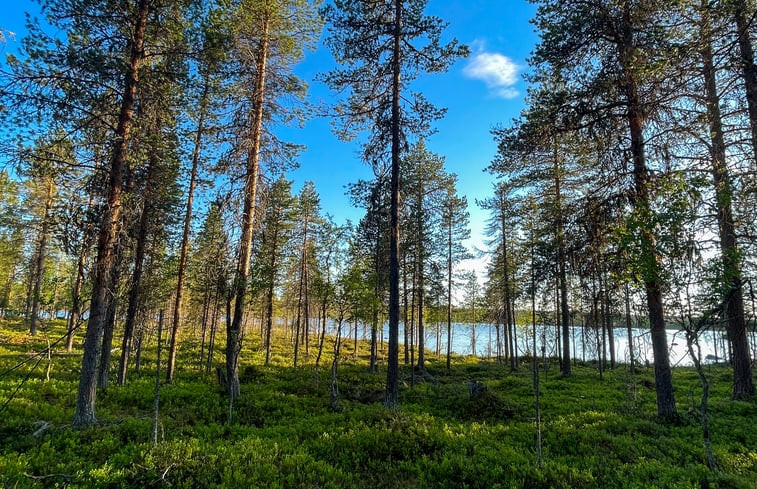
<point x="499" y="72"/>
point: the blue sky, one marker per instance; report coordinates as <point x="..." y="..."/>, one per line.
<point x="479" y="92"/>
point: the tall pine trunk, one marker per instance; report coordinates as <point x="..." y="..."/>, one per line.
<point x="666" y="406"/>
<point x="392" y="371"/>
<point x="85" y="400"/>
<point x="743" y="385"/>
<point x="175" y="322"/>
<point x="234" y="329"/>
<point x="562" y="274"/>
<point x="744" y="26"/>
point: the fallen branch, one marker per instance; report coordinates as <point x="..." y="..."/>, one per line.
<point x="67" y="477"/>
<point x="43" y="426"/>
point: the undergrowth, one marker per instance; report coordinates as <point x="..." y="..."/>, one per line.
<point x="596" y="434"/>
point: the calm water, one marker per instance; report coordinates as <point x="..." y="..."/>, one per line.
<point x="583" y="343"/>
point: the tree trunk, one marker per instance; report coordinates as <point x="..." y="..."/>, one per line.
<point x="562" y="274"/>
<point x="139" y="257"/>
<point x="84" y="414"/>
<point x="534" y="357"/>
<point x="392" y="371"/>
<point x="73" y="318"/>
<point x="103" y="371"/>
<point x="322" y="336"/>
<point x="377" y="273"/>
<point x="306" y="305"/>
<point x="506" y="299"/>
<point x="213" y="331"/>
<point x="666" y="407"/>
<point x="748" y="67"/>
<point x="449" y="298"/>
<point x="39" y="266"/>
<point x="743" y="385"/>
<point x="233" y="330"/>
<point x="185" y="232"/>
<point x="473" y="327"/>
<point x="405" y="308"/>
<point x="609" y="326"/>
<point x="420" y="246"/>
<point x="204" y="326"/>
<point x="421" y="325"/>
<point x="629" y="330"/>
<point x="299" y="309"/>
<point x="156" y="394"/>
<point x="334" y="385"/>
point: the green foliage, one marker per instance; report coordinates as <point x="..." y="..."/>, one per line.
<point x="284" y="434"/>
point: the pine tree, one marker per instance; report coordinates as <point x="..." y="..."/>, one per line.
<point x="374" y="41"/>
<point x="270" y="37"/>
<point x="277" y="230"/>
<point x="607" y="50"/>
<point x="455" y="223"/>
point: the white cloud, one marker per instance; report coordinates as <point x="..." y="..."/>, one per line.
<point x="499" y="72"/>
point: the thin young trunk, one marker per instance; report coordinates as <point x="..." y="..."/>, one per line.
<point x="562" y="274"/>
<point x="704" y="418"/>
<point x="299" y="309"/>
<point x="269" y="314"/>
<point x="595" y="322"/>
<point x="373" y="367"/>
<point x="85" y="400"/>
<point x="138" y="349"/>
<point x="73" y="318"/>
<point x="449" y="297"/>
<point x="413" y="293"/>
<point x="515" y="360"/>
<point x="610" y="332"/>
<point x="629" y="331"/>
<point x="322" y="338"/>
<point x="204" y="325"/>
<point x="270" y="296"/>
<point x="392" y="371"/>
<point x="156" y="395"/>
<point x="306" y="325"/>
<point x="405" y="308"/>
<point x="103" y="371"/>
<point x="302" y="301"/>
<point x="508" y="309"/>
<point x="603" y="321"/>
<point x="39" y="266"/>
<point x="473" y="327"/>
<point x="213" y="331"/>
<point x="354" y="346"/>
<point x="420" y="247"/>
<point x="139" y="258"/>
<point x="421" y="325"/>
<point x="184" y="249"/>
<point x="233" y="329"/>
<point x="334" y="385"/>
<point x="743" y="385"/>
<point x="535" y="361"/>
<point x="30" y="288"/>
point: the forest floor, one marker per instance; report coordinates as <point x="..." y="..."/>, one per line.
<point x="283" y="433"/>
